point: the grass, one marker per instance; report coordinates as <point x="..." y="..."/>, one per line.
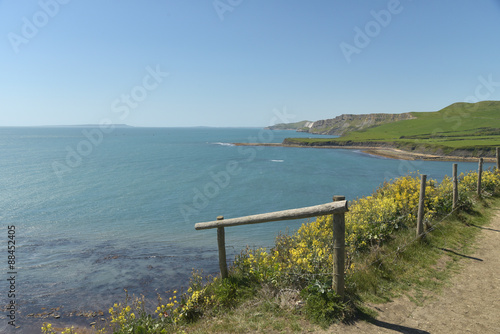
<point x="472" y="127"/>
<point x="261" y="314"/>
<point x="421" y="267"/>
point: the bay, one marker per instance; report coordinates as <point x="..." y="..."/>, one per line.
<point x="98" y="212"/>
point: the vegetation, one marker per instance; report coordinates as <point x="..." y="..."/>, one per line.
<point x="288" y="287"/>
<point x="471" y="129"/>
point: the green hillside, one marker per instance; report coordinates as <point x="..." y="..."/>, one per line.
<point x="460" y="129"/>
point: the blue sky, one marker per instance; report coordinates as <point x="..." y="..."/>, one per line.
<point x="241" y="62"/>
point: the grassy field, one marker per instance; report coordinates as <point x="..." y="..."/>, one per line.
<point x="460" y="129"/>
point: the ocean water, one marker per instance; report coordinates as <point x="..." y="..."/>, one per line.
<point x="96" y="212"/>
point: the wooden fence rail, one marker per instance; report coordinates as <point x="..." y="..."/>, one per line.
<point x="307" y="212"/>
<point x="338" y="208"/>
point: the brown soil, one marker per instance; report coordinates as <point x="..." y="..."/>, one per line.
<point x="470" y="304"/>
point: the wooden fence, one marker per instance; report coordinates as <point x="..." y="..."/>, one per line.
<point x="338" y="208"/>
<point x="498" y="158"/>
<point x="420" y="216"/>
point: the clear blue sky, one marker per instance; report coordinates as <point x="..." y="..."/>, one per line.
<point x="236" y="63"/>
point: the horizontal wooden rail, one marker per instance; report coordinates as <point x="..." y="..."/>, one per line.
<point x="300" y="213"/>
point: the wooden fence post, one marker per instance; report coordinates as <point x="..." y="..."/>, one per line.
<point x="420" y="217"/>
<point x="455" y="186"/>
<point x="479" y="176"/>
<point x="221" y="243"/>
<point x="338" y="250"/>
<point x="498" y="158"/>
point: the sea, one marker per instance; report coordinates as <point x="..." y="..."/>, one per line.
<point x="94" y="211"/>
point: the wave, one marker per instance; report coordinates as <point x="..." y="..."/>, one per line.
<point x="277" y="160"/>
<point x="223" y="144"/>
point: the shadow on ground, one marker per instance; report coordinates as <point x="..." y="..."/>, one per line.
<point x="397" y="328"/>
<point x="461" y="255"/>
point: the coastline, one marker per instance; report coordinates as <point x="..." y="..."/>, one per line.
<point x="385" y="152"/>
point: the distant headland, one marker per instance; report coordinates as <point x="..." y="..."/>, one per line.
<point x="460" y="131"/>
<point x="87" y="126"/>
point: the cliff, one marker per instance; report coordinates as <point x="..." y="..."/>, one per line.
<point x="343" y="124"/>
<point x="298" y="126"/>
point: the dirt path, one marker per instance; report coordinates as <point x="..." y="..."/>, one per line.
<point x="470" y="304"/>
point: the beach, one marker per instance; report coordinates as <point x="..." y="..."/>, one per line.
<point x="386" y="152"/>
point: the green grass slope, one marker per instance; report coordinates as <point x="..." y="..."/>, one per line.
<point x="468" y="129"/>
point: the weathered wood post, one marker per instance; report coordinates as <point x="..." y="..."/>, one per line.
<point x="498" y="158"/>
<point x="455" y="186"/>
<point x="420" y="217"/>
<point x="479" y="176"/>
<point x="221" y="243"/>
<point x="338" y="250"/>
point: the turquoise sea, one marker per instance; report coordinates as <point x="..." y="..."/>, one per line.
<point x="97" y="211"/>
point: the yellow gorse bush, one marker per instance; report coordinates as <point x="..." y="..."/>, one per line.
<point x="121" y="314"/>
<point x="370" y="220"/>
<point x="490" y="181"/>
